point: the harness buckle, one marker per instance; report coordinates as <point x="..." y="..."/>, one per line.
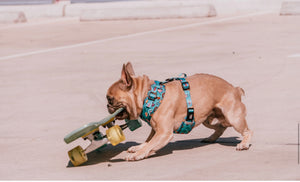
<point x="185" y="85"/>
<point x="152" y="96"/>
<point x="190" y="114"/>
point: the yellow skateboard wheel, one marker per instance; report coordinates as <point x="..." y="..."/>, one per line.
<point x="115" y="135"/>
<point x="77" y="156"/>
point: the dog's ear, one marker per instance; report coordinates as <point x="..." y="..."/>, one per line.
<point x="129" y="68"/>
<point x="126" y="76"/>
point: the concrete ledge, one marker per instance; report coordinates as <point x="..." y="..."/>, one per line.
<point x="36" y="11"/>
<point x="290" y="8"/>
<point x="150" y="9"/>
<point x="25" y="2"/>
<point x="12" y="17"/>
<point x="140" y="10"/>
<point x="202" y="10"/>
<point x="231" y="7"/>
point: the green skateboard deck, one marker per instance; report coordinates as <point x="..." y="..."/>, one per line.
<point x="91" y="132"/>
<point x="90" y="127"/>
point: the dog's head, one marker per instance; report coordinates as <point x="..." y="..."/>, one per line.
<point x="121" y="94"/>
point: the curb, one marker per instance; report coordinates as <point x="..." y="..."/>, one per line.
<point x="148" y="12"/>
<point x="290" y="8"/>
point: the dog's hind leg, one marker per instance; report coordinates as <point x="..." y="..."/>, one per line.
<point x="235" y="113"/>
<point x="218" y="127"/>
<point x="219" y="130"/>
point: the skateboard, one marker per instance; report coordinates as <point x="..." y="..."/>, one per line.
<point x="114" y="136"/>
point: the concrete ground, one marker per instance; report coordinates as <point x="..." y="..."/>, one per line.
<point x="54" y="76"/>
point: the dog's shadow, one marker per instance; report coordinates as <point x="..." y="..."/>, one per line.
<point x="194" y="143"/>
<point x="106" y="154"/>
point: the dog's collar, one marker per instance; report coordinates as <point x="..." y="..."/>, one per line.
<point x="155" y="96"/>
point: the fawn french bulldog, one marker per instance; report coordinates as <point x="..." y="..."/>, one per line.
<point x="216" y="103"/>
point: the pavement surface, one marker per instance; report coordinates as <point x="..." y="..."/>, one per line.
<point x="54" y="76"/>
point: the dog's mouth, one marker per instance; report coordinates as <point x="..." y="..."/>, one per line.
<point x="122" y="115"/>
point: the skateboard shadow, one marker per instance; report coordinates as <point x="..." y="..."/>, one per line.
<point x="106" y="154"/>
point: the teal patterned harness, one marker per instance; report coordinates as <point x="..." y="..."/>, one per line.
<point x="155" y="96"/>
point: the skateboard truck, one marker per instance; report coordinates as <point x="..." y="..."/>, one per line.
<point x="91" y="132"/>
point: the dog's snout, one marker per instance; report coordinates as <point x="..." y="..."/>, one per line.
<point x="110" y="109"/>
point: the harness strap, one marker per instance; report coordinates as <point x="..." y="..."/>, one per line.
<point x="187" y="125"/>
<point x="155" y="96"/>
<point x="153" y="100"/>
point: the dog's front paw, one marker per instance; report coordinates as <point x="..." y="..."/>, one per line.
<point x="134" y="149"/>
<point x="242" y="146"/>
<point x="136" y="156"/>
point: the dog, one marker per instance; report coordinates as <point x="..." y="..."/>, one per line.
<point x="216" y="103"/>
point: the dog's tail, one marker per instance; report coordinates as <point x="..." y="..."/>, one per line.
<point x="240" y="91"/>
